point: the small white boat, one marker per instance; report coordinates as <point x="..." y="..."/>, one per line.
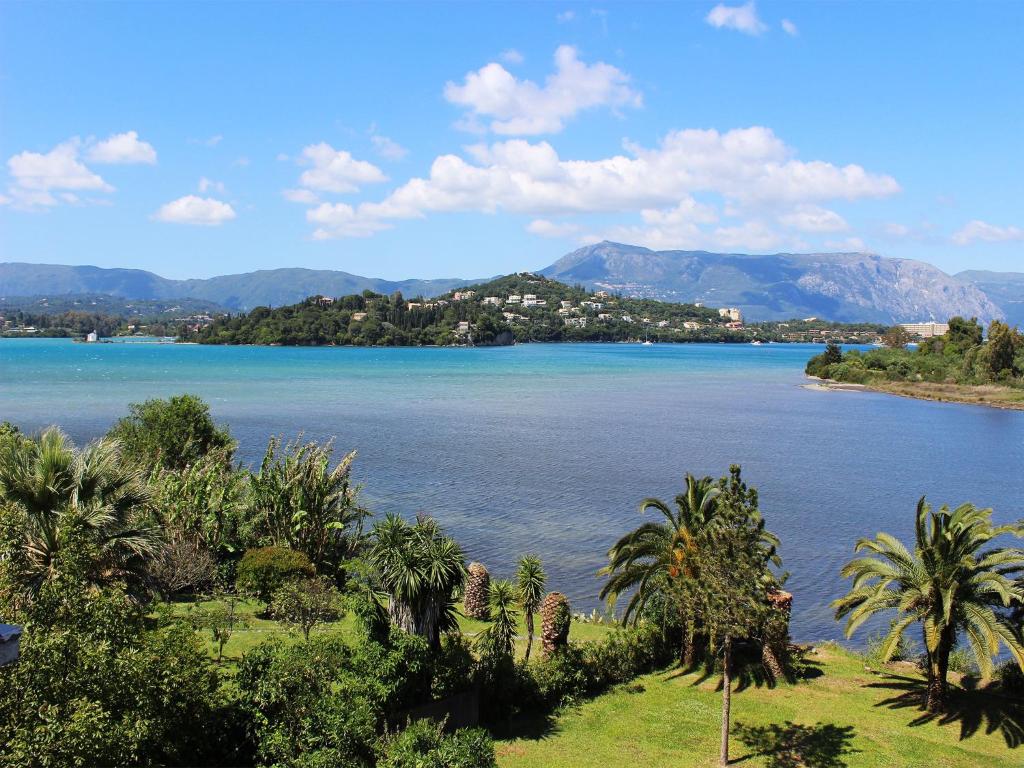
<point x="646" y="343"/>
<point x="756" y="343"/>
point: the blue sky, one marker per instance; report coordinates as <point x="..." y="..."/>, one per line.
<point x="437" y="140"/>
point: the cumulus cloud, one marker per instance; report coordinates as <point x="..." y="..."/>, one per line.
<point x="523" y="107"/>
<point x="191" y="209"/>
<point x="546" y="228"/>
<point x="742" y="18"/>
<point x="982" y="231"/>
<point x="336" y="170"/>
<point x="122" y="148"/>
<point x="565" y="16"/>
<point x="750" y="168"/>
<point x="895" y="229"/>
<point x="387" y="148"/>
<point x="813" y="218"/>
<point x="38" y="178"/>
<point x="790" y="28"/>
<point x="512" y="56"/>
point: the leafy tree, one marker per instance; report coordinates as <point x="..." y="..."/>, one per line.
<point x="656" y="561"/>
<point x="733" y="579"/>
<point x="420" y="570"/>
<point x="53" y="483"/>
<point x="1003" y="342"/>
<point x="531" y="583"/>
<point x="952" y="584"/>
<point x="304" y="604"/>
<point x="173" y="433"/>
<point x="964" y="333"/>
<point x="298" y="500"/>
<point x="896" y="337"/>
<point x="219" y="619"/>
<point x="96" y="685"/>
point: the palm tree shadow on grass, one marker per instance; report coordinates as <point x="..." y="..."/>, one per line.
<point x="791" y="745"/>
<point x="974" y="710"/>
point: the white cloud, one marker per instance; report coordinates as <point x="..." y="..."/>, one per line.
<point x="242" y="162"/>
<point x="122" y="148"/>
<point x="894" y="229"/>
<point x="212" y="141"/>
<point x="512" y="56"/>
<point x="790" y="28"/>
<point x="565" y="16"/>
<point x="387" y="148"/>
<point x="546" y="228"/>
<point x="813" y="218"/>
<point x="849" y="245"/>
<point x="742" y="18"/>
<point x="336" y="170"/>
<point x="205" y="185"/>
<point x="190" y="209"/>
<point x="750" y="169"/>
<point x="342" y="220"/>
<point x="300" y="196"/>
<point x="522" y="107"/>
<point x="36" y="176"/>
<point x="990" y="233"/>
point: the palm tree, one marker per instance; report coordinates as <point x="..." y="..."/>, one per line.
<point x="56" y="485"/>
<point x="420" y="570"/>
<point x="951" y="583"/>
<point x="500" y="637"/>
<point x="531" y="581"/>
<point x="656" y="559"/>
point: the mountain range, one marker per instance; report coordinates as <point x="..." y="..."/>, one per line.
<point x="848" y="287"/>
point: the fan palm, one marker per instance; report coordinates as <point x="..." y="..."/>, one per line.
<point x="953" y="582"/>
<point x="656" y="559"/>
<point x="54" y="483"/>
<point x="531" y="581"/>
<point x="420" y="570"/>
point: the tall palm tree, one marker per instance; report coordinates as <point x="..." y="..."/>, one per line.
<point x="500" y="637"/>
<point x="953" y="583"/>
<point x="421" y="570"/>
<point x="656" y="559"/>
<point x="55" y="484"/>
<point x="531" y="581"/>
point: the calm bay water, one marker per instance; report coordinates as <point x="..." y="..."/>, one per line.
<point x="549" y="448"/>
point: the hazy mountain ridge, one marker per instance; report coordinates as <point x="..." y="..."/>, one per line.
<point x="851" y="287"/>
<point x="242" y="291"/>
<point x="839" y="286"/>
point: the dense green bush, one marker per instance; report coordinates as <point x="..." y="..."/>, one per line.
<point x="424" y="744"/>
<point x="263" y="571"/>
<point x="96" y="686"/>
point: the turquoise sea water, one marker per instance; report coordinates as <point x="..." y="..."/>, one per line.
<point x="549" y="448"/>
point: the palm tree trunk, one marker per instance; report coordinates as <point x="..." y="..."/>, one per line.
<point x="938" y="669"/>
<point x="726" y="699"/>
<point x="529" y="633"/>
<point x="690" y="655"/>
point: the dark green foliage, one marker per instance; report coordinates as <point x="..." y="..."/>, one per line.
<point x="959" y="357"/>
<point x="173" y="433"/>
<point x="263" y="571"/>
<point x="96" y="686"/>
<point x="299" y="500"/>
<point x="424" y="744"/>
<point x="303" y="603"/>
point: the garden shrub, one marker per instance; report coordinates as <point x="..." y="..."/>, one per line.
<point x="425" y="745"/>
<point x="263" y="571"/>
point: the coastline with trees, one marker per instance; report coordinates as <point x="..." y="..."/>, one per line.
<point x="180" y="609"/>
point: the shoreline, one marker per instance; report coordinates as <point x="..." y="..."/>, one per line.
<point x="988" y="396"/>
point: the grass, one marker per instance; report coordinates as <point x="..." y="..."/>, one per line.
<point x="253" y="629"/>
<point x="846" y="715"/>
<point x="990" y="395"/>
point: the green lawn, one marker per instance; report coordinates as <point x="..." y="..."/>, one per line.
<point x="253" y="630"/>
<point x="846" y="716"/>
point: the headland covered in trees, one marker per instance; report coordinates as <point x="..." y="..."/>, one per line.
<point x="516" y="308"/>
<point x="964" y="365"/>
<point x="136" y="566"/>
